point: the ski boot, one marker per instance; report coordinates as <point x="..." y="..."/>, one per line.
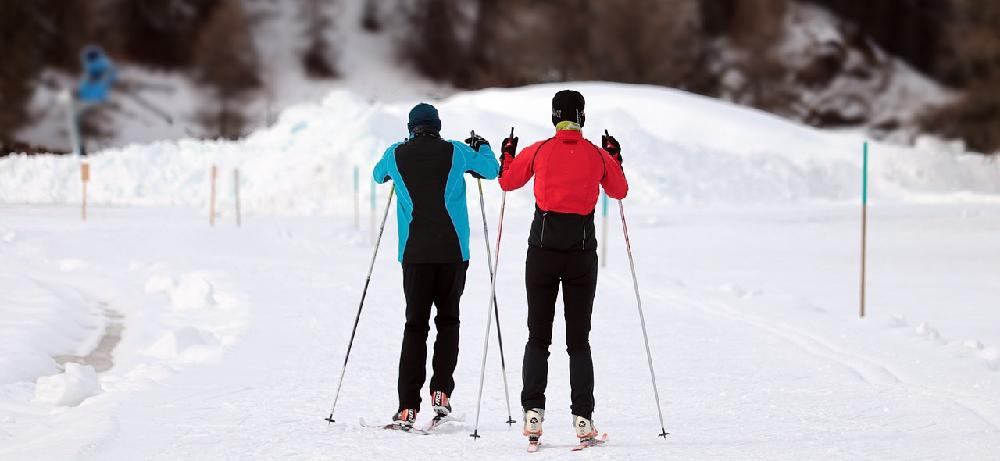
<point x="403" y="420"/>
<point x="533" y="427"/>
<point x="587" y="433"/>
<point x="440" y="403"/>
<point x="442" y="409"/>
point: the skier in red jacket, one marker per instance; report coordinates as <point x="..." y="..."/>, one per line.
<point x="562" y="248"/>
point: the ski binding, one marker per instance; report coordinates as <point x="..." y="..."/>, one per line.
<point x="595" y="442"/>
<point x="533" y="443"/>
<point x="394" y="427"/>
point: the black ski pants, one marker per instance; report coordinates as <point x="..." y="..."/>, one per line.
<point x="577" y="272"/>
<point x="423" y="285"/>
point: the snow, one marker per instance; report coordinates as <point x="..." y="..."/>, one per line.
<point x="39" y="319"/>
<point x="745" y="232"/>
<point x="752" y="314"/>
<point x="190" y="291"/>
<point x="303" y="164"/>
<point x="69" y="388"/>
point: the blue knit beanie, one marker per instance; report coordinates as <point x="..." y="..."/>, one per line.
<point x="426" y="115"/>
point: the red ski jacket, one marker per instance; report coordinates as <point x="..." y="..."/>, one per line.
<point x="567" y="170"/>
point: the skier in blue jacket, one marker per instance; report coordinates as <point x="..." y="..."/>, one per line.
<point x="433" y="224"/>
<point x="99" y="75"/>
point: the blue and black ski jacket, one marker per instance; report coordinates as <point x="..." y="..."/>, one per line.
<point x="429" y="173"/>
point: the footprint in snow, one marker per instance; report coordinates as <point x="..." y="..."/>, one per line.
<point x="739" y="291"/>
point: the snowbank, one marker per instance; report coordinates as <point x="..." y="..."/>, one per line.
<point x="70" y="388"/>
<point x="678" y="148"/>
<point x="61" y="323"/>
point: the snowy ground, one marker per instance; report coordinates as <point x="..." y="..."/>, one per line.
<point x="233" y="337"/>
<point x="226" y="342"/>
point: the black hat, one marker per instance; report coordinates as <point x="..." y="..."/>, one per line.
<point x="424" y="115"/>
<point x="567" y="105"/>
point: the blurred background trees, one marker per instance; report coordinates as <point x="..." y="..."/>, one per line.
<point x="768" y="54"/>
<point x="733" y="49"/>
<point x="319" y="56"/>
<point x="226" y="62"/>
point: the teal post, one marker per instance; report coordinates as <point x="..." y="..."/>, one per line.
<point x="864" y="176"/>
<point x="604" y="228"/>
<point x="864" y="224"/>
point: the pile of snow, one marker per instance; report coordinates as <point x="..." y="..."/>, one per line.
<point x="189" y="291"/>
<point x="69" y="388"/>
<point x="184" y="343"/>
<point x="678" y="148"/>
<point x="61" y="323"/>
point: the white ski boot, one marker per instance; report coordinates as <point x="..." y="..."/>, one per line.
<point x="587" y="433"/>
<point x="533" y="427"/>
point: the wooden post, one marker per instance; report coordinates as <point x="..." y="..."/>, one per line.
<point x="604" y="228"/>
<point x="211" y="200"/>
<point x="357" y="197"/>
<point x="864" y="224"/>
<point x="84" y="179"/>
<point x="374" y="196"/>
<point x="236" y="189"/>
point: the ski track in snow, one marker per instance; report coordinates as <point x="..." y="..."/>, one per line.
<point x="868" y="370"/>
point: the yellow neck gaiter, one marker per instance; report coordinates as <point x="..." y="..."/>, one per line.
<point x="568" y="125"/>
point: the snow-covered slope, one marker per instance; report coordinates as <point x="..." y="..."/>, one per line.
<point x="220" y="343"/>
<point x="691" y="150"/>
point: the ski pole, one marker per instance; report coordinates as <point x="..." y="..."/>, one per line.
<point x="638" y="304"/>
<point x="361" y="305"/>
<point x="642" y="318"/>
<point x="492" y="303"/>
<point x="496" y="308"/>
<point x="489" y="319"/>
<point x="145" y="104"/>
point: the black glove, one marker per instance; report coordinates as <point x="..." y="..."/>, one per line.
<point x="509" y="146"/>
<point x="611" y="145"/>
<point x="475" y="175"/>
<point x="507" y="150"/>
<point x="475" y="141"/>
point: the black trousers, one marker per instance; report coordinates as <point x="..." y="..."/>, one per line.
<point x="577" y="272"/>
<point x="423" y="285"/>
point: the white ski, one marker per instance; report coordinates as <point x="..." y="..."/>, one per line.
<point x="393" y="427"/>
